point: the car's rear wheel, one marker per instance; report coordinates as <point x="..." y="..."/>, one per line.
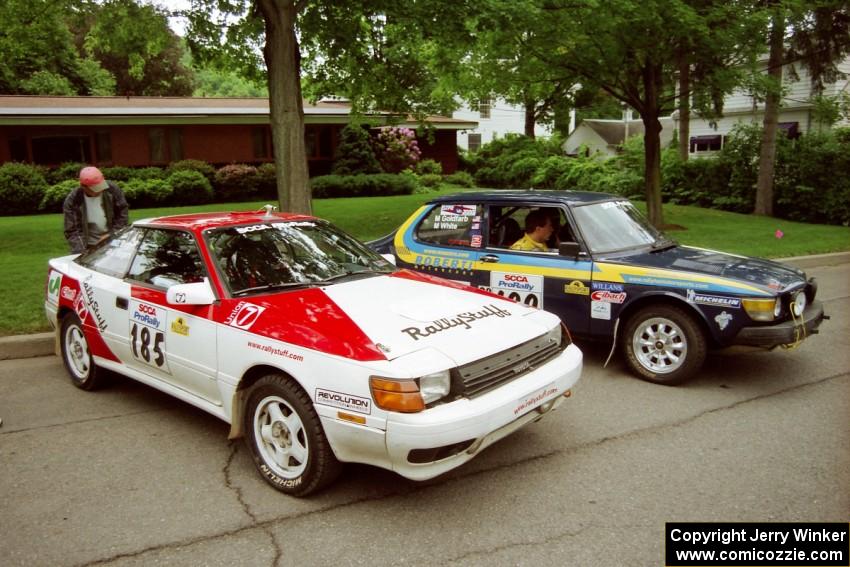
<point x="663" y="344"/>
<point x="84" y="373"/>
<point x="286" y="438"/>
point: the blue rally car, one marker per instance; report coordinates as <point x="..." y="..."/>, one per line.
<point x="608" y="273"/>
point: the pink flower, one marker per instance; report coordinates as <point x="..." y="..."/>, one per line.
<point x="778" y="233"/>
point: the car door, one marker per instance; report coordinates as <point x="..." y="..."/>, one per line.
<point x="175" y="343"/>
<point x="538" y="278"/>
<point x="446" y="241"/>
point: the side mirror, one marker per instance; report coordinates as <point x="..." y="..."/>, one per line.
<point x="389" y="258"/>
<point x="569" y="249"/>
<point x="199" y="293"/>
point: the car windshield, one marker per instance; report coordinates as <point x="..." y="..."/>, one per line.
<point x="610" y="226"/>
<point x="277" y="255"/>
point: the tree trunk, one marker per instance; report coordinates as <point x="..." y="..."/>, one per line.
<point x="286" y="107"/>
<point x="530" y="120"/>
<point x="684" y="107"/>
<point x="767" y="158"/>
<point x="649" y="113"/>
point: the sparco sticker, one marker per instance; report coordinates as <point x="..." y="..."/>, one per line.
<point x="343" y="401"/>
<point x="713" y="300"/>
<point x="244" y="315"/>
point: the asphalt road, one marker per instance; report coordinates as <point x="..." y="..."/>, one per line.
<point x="129" y="476"/>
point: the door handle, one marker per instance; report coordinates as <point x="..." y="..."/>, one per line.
<point x="121" y="303"/>
<point x="489" y="258"/>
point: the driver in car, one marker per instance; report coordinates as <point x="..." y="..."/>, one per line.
<point x="538" y="229"/>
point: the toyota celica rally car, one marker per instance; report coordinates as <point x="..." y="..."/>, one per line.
<point x="609" y="274"/>
<point x="309" y="344"/>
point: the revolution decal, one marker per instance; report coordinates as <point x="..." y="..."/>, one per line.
<point x="459" y="320"/>
<point x="703" y="299"/>
<point x="576" y="287"/>
<point x="343" y="401"/>
<point x="244" y="315"/>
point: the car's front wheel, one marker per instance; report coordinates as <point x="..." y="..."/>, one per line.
<point x="76" y="356"/>
<point x="286" y="438"/>
<point x="663" y="344"/>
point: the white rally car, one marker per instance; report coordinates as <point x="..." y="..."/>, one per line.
<point x="314" y="348"/>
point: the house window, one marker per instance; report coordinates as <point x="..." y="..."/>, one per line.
<point x="53" y="150"/>
<point x="260" y="138"/>
<point x="791" y="129"/>
<point x="473" y="142"/>
<point x="103" y="145"/>
<point x="18" y="149"/>
<point x="165" y="145"/>
<point x="706" y="143"/>
<point x="484" y="108"/>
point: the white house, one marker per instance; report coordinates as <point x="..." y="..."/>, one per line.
<point x="795" y="114"/>
<point x="495" y="118"/>
<point x="603" y="137"/>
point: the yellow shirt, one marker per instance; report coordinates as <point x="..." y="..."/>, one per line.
<point x="529" y="244"/>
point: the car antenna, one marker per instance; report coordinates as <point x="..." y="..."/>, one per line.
<point x="269" y="209"/>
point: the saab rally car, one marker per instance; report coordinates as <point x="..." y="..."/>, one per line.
<point x="314" y="347"/>
<point x="609" y="274"/>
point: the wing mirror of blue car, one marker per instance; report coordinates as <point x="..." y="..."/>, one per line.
<point x="199" y="293"/>
<point x="569" y="249"/>
<point x="389" y="258"/>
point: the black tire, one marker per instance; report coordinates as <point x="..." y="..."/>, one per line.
<point x="663" y="344"/>
<point x="84" y="373"/>
<point x="293" y="454"/>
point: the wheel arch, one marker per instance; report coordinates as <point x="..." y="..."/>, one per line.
<point x="249" y="378"/>
<point x="673" y="300"/>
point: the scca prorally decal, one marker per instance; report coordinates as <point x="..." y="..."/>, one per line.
<point x="713" y="300"/>
<point x="606" y="286"/>
<point x="343" y="401"/>
<point x="244" y="315"/>
<point x="149" y="315"/>
<point x="608" y="296"/>
<point x="253" y="228"/>
<point x="93" y="305"/>
<point x="459" y="320"/>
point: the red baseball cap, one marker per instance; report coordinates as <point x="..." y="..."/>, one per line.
<point x="92" y="178"/>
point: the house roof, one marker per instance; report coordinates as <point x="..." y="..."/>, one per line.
<point x="613" y="131"/>
<point x="88" y="110"/>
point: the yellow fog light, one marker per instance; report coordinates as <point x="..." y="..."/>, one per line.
<point x="396" y="395"/>
<point x="760" y="309"/>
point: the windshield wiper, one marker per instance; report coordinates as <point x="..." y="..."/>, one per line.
<point x="661" y="245"/>
<point x="269" y="287"/>
<point x="350" y="273"/>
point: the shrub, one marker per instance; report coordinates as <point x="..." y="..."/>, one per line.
<point x="355" y="153"/>
<point x="460" y="178"/>
<point x="149" y="173"/>
<point x="118" y="173"/>
<point x="427" y="166"/>
<point x="189" y="187"/>
<point x="236" y="182"/>
<point x="397" y="149"/>
<point x="550" y="170"/>
<point x="201" y="167"/>
<point x="142" y="193"/>
<point x="521" y="171"/>
<point x="379" y="184"/>
<point x="55" y="195"/>
<point x="266" y="181"/>
<point x="21" y="188"/>
<point x="66" y="171"/>
<point x="430" y="179"/>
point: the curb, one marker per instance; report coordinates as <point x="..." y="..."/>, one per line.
<point x="41" y="344"/>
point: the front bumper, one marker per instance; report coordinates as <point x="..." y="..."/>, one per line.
<point x="784" y="333"/>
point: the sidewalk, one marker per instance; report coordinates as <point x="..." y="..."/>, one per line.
<point x="41" y="344"/>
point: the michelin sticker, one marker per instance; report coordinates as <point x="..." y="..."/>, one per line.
<point x="522" y="288"/>
<point x="723" y="320"/>
<point x="716" y="300"/>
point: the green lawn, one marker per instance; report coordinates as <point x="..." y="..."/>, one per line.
<point x="26" y="243"/>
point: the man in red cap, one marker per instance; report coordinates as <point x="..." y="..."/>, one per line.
<point x="93" y="211"/>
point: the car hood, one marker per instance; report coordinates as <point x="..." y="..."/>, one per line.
<point x="766" y="275"/>
<point x="405" y="312"/>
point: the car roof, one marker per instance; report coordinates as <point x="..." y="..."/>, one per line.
<point x="204" y="221"/>
<point x="519" y="195"/>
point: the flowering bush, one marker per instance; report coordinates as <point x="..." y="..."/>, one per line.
<point x="397" y="149"/>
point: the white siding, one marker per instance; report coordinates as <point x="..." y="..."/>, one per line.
<point x="504" y="119"/>
<point x="584" y="136"/>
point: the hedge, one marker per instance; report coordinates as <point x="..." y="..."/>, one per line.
<point x="362" y="185"/>
<point x="22" y="187"/>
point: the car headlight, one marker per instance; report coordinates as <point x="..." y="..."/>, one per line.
<point x="409" y="395"/>
<point x="761" y="309"/>
<point x="555" y="335"/>
<point x="798" y="304"/>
